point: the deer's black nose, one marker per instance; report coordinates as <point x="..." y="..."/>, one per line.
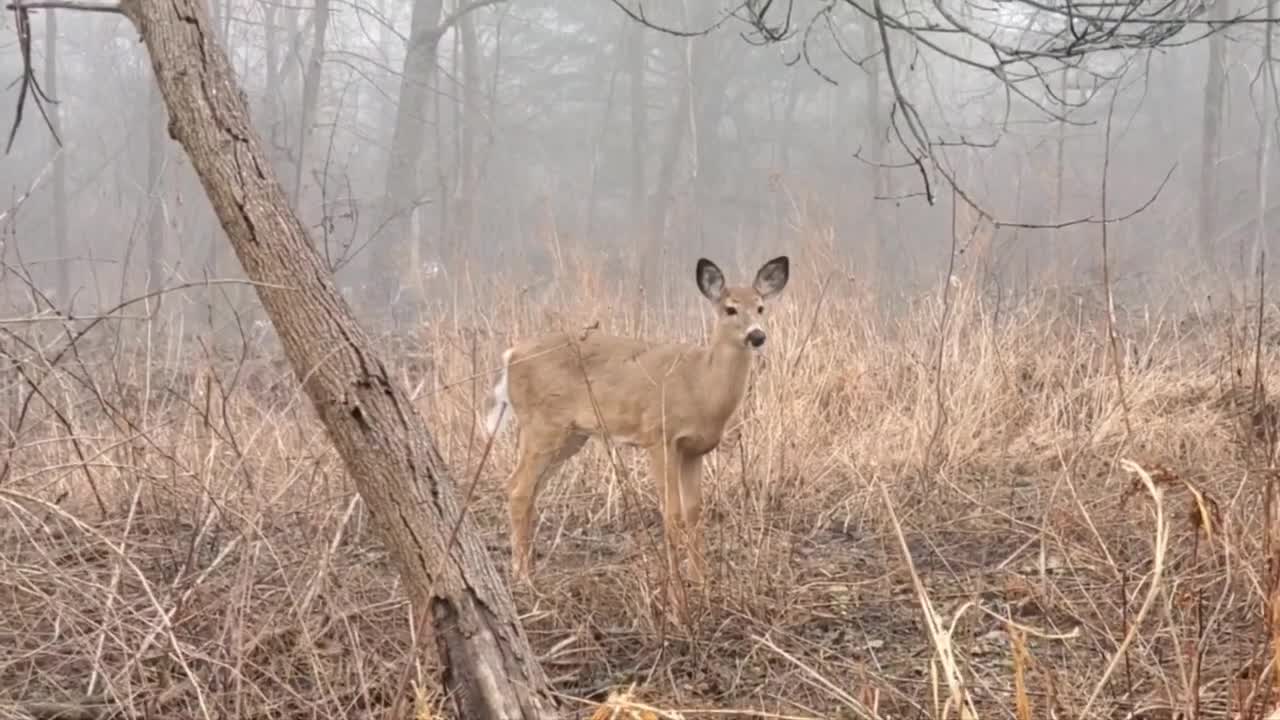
<point x="756" y="338"/>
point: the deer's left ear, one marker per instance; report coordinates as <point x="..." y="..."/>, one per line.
<point x="773" y="276"/>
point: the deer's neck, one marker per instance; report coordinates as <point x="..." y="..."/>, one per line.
<point x="729" y="361"/>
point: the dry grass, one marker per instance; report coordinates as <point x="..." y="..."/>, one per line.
<point x="178" y="539"/>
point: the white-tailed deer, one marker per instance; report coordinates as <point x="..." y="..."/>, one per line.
<point x="672" y="399"/>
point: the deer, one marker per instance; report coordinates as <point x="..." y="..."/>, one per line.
<point x="671" y="399"/>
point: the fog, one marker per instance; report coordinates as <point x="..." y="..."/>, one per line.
<point x="1000" y="413"/>
<point x="434" y="147"/>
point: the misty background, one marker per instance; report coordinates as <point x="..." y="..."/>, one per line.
<point x="437" y="147"/>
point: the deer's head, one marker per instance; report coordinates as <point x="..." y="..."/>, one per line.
<point x="740" y="311"/>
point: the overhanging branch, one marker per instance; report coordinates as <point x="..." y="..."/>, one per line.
<point x="28" y="85"/>
<point x="95" y="7"/>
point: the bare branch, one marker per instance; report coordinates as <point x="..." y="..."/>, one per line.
<point x="639" y="16"/>
<point x="1023" y="45"/>
<point x="29" y="86"/>
<point x="77" y="5"/>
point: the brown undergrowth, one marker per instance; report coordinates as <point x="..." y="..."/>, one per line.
<point x="179" y="540"/>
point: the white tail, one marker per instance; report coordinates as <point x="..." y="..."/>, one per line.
<point x="672" y="399"/>
<point x="500" y="413"/>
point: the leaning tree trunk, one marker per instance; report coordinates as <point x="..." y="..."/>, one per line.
<point x="489" y="669"/>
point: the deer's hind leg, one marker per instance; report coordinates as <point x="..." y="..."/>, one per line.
<point x="541" y="452"/>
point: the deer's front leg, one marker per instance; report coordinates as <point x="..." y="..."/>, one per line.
<point x="691" y="516"/>
<point x="665" y="465"/>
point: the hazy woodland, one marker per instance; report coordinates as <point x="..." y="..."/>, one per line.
<point x="927" y="494"/>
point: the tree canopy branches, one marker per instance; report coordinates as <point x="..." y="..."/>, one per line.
<point x="1030" y="51"/>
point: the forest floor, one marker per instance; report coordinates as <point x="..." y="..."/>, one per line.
<point x="901" y="509"/>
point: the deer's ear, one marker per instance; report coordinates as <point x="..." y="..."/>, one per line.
<point x="710" y="280"/>
<point x="773" y="276"/>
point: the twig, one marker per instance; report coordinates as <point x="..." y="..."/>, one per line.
<point x="22" y="199"/>
<point x="93" y="707"/>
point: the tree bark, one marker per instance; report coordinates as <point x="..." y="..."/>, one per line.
<point x="489" y="670"/>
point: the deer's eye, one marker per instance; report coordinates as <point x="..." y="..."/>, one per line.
<point x="731" y="311"/>
<point x="760" y="310"/>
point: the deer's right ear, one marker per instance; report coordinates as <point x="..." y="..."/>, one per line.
<point x="710" y="280"/>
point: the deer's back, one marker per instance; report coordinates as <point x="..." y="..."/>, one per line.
<point x="637" y="387"/>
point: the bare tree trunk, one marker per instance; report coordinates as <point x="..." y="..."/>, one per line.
<point x="1265" y="128"/>
<point x="468" y="173"/>
<point x="442" y="177"/>
<point x="788" y="124"/>
<point x="289" y="80"/>
<point x="641" y="229"/>
<point x="310" y="93"/>
<point x="1210" y="138"/>
<point x="784" y="130"/>
<point x="593" y="176"/>
<point x="661" y="202"/>
<point x="155" y="208"/>
<point x="882" y="253"/>
<point x="489" y="669"/>
<point x="1058" y="253"/>
<point x="492" y="118"/>
<point x="386" y="35"/>
<point x="275" y="28"/>
<point x="62" y="265"/>
<point x="402" y="191"/>
<point x="707" y="95"/>
<point x="271" y="41"/>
